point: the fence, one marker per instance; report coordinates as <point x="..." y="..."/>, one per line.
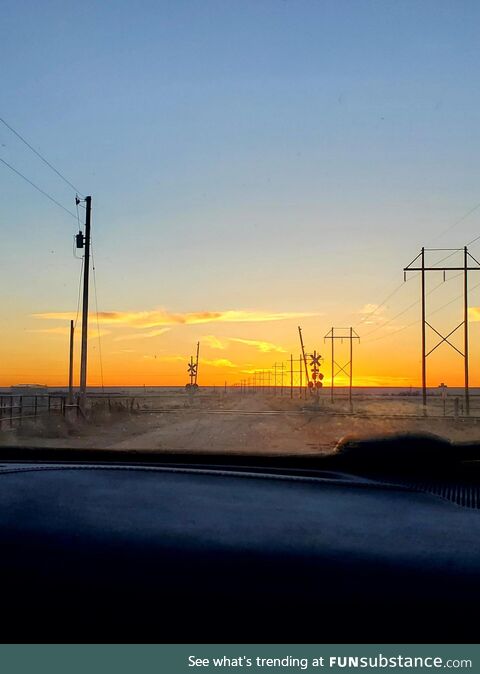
<point x="16" y="408"/>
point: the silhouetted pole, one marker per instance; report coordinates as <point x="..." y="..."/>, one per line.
<point x="424" y="342"/>
<point x="351" y="367"/>
<point x="70" y="365"/>
<point x="444" y="339"/>
<point x="291" y="375"/>
<point x="86" y="269"/>
<point x="307" y="376"/>
<point x="350" y="336"/>
<point x="333" y="369"/>
<point x="301" y="374"/>
<point x="465" y="331"/>
<point x="196" y="362"/>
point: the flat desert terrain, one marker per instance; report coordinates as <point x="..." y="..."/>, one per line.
<point x="235" y="423"/>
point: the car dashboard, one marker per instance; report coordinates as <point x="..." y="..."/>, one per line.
<point x="176" y="551"/>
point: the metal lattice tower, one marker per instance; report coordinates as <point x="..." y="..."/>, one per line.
<point x="421" y="267"/>
<point x="350" y="335"/>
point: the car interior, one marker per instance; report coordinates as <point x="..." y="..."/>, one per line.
<point x="378" y="540"/>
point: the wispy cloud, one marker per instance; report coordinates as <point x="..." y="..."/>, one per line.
<point x="474" y="314"/>
<point x="142" y="335"/>
<point x="219" y="362"/>
<point x="369" y="308"/>
<point x="264" y="347"/>
<point x="64" y="331"/>
<point x="372" y="314"/>
<point x="213" y="342"/>
<point x="52" y="331"/>
<point x="161" y="317"/>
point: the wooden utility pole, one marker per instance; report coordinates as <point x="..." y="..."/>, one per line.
<point x="196" y="363"/>
<point x="70" y="365"/>
<point x="86" y="269"/>
<point x="301" y="372"/>
<point x="307" y="377"/>
<point x="291" y="375"/>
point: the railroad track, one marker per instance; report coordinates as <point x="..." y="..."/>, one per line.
<point x="302" y="412"/>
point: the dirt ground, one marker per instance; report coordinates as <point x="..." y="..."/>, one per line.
<point x="233" y="423"/>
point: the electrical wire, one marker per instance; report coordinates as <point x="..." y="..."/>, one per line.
<point x="45" y="194"/>
<point x="457" y="222"/>
<point x="404" y="327"/>
<point x="379" y="306"/>
<point x="446" y="257"/>
<point x="404" y="311"/>
<point x="40" y="156"/>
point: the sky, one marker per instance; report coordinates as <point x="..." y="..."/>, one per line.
<point x="254" y="165"/>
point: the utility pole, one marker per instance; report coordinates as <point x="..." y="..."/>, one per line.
<point x="300" y="369"/>
<point x="291" y="375"/>
<point x="86" y="269"/>
<point x="465" y="332"/>
<point x="70" y="365"/>
<point x="307" y="377"/>
<point x="196" y="363"/>
<point x="333" y="369"/>
<point x="464" y="269"/>
<point x="424" y="337"/>
<point x="350" y="335"/>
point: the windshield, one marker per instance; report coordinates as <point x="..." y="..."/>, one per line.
<point x="246" y="227"/>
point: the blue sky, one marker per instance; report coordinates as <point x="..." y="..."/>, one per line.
<point x="269" y="154"/>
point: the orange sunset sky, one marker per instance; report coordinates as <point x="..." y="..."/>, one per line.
<point x="254" y="166"/>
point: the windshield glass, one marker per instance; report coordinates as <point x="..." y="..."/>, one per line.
<point x="244" y="227"/>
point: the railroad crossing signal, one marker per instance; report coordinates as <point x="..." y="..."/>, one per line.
<point x="192" y="370"/>
<point x="315" y="363"/>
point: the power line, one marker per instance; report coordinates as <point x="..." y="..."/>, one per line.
<point x="404" y="311"/>
<point x="404" y="327"/>
<point x="45" y="161"/>
<point x="379" y="306"/>
<point x="454" y="224"/>
<point x="457" y="222"/>
<point x="390" y="320"/>
<point x="444" y="306"/>
<point x="39" y="189"/>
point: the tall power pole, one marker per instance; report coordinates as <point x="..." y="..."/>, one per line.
<point x="350" y="335"/>
<point x="468" y="263"/>
<point x="86" y="269"/>
<point x="70" y="364"/>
